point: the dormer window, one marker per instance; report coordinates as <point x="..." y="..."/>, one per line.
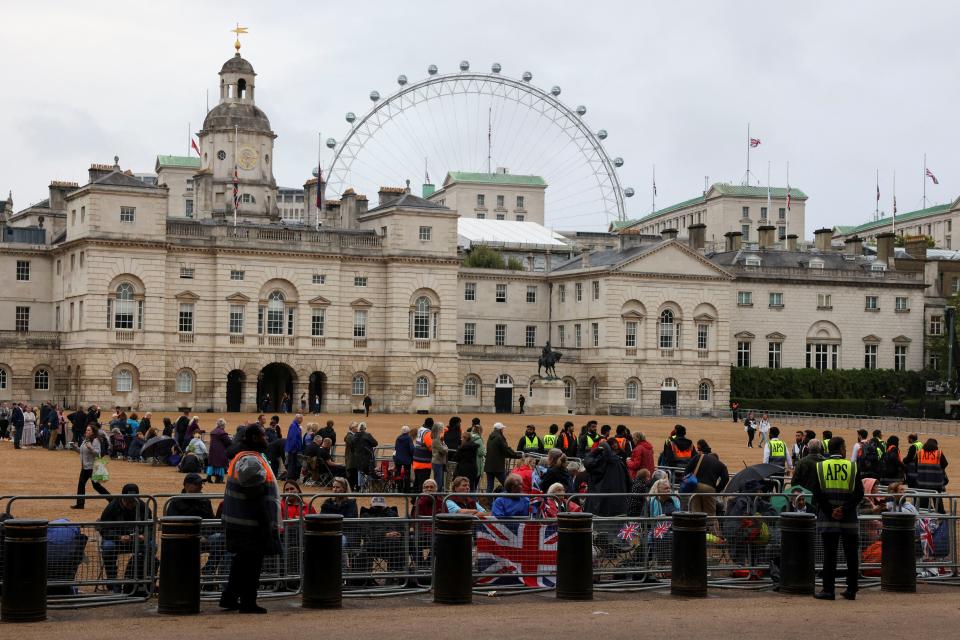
<point x="753" y="261"/>
<point x="816" y="263"/>
<point x="878" y="267"/>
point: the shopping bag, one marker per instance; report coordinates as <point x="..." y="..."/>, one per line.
<point x="100" y="473"/>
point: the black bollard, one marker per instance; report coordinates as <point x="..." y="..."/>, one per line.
<point x="322" y="562"/>
<point x="179" y="565"/>
<point x="24" y="571"/>
<point x="898" y="565"/>
<point x="797" y="546"/>
<point x="453" y="558"/>
<point x="689" y="567"/>
<point x="575" y="556"/>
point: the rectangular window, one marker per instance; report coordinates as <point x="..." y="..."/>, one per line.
<point x="56" y="324"/>
<point x="58" y="267"/>
<point x="783" y="213"/>
<point x="870" y="303"/>
<point x="746" y="212"/>
<point x="562" y="293"/>
<point x="901" y="304"/>
<point x="955" y="285"/>
<point x="781" y="232"/>
<point x="128" y="214"/>
<point x="531" y="294"/>
<point x="577" y="337"/>
<point x="519" y="202"/>
<point x="520" y="218"/>
<point x="23" y="318"/>
<point x="743" y="354"/>
<point x="773" y="355"/>
<point x="23" y="270"/>
<point x="562" y="335"/>
<point x="236" y="274"/>
<point x="186" y="273"/>
<point x="189" y="208"/>
<point x="290" y="316"/>
<point x="934" y="361"/>
<point x="80" y="315"/>
<point x="936" y="325"/>
<point x="869" y="356"/>
<point x="470" y="291"/>
<point x="631" y="335"/>
<point x="319" y="278"/>
<point x="824" y="301"/>
<point x="763" y="213"/>
<point x="500" y="335"/>
<point x="426" y="233"/>
<point x="531" y="336"/>
<point x="82" y="253"/>
<point x="481" y="216"/>
<point x="469" y="333"/>
<point x="703" y="337"/>
<point x="744" y="298"/>
<point x="776" y="298"/>
<point x="900" y="357"/>
<point x="500" y="202"/>
<point x="360" y="323"/>
<point x="745" y="231"/>
<point x="73" y="266"/>
<point x="185" y="322"/>
<point x="578" y="289"/>
<point x="823" y="356"/>
<point x="501" y="293"/>
<point x="596" y="289"/>
<point x="481" y="200"/>
<point x="359" y="281"/>
<point x="83" y="214"/>
<point x="71" y="317"/>
<point x="501" y="216"/>
<point x="236" y="319"/>
<point x="595" y="331"/>
<point x="317" y="321"/>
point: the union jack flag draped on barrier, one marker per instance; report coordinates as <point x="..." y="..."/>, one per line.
<point x="507" y="549"/>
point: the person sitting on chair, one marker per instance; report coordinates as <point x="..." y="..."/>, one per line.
<point x="122" y="529"/>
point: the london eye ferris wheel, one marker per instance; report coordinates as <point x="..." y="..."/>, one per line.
<point x="481" y="122"/>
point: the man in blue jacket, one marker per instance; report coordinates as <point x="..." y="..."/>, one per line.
<point x="16" y="419"/>
<point x="293" y="448"/>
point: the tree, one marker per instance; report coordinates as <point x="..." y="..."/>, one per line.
<point x="481" y="257"/>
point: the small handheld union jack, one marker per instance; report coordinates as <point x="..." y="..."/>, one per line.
<point x="661" y="530"/>
<point x="629" y="532"/>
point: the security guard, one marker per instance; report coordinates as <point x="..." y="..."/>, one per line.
<point x="550" y="440"/>
<point x="837" y="494"/>
<point x="776" y="452"/>
<point x="530" y="442"/>
<point x="251" y="519"/>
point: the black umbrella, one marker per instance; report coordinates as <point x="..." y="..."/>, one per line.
<point x="158" y="447"/>
<point x="757" y="474"/>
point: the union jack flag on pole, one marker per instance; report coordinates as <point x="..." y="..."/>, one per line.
<point x="522" y="552"/>
<point x="932" y="177"/>
<point x="754" y="142"/>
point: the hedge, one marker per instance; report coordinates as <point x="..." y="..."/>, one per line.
<point x="931" y="408"/>
<point x="836" y="384"/>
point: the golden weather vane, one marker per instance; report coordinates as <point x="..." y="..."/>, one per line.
<point x="238" y="30"/>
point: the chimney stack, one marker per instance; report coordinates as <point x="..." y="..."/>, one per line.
<point x="669" y="234"/>
<point x="822" y="239"/>
<point x="585" y="258"/>
<point x="854" y="245"/>
<point x="696" y="236"/>
<point x="885" y="248"/>
<point x="767" y="236"/>
<point x="733" y="240"/>
<point x="629" y="238"/>
<point x="916" y="247"/>
<point x="792" y="242"/>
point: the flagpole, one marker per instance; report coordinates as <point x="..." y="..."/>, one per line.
<point x="653" y="194"/>
<point x="768" y="191"/>
<point x="748" y="155"/>
<point x="236" y="134"/>
<point x="876" y="210"/>
<point x="319" y="176"/>
<point x="893" y="224"/>
<point x="786" y="221"/>
<point x="924" y="182"/>
<point x="189" y="138"/>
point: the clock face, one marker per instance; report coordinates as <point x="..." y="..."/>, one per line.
<point x="248" y="158"/>
<point x="221" y="155"/>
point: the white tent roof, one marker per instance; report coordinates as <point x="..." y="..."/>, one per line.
<point x="507" y="232"/>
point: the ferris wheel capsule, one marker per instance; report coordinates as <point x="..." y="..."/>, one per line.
<point x="374" y="95"/>
<point x="401" y="80"/>
<point x="316" y="172"/>
<point x="602" y="134"/>
<point x="495" y="67"/>
<point x="351" y="116"/>
<point x="618" y="162"/>
<point x="432" y="69"/>
<point x="629" y="192"/>
<point x="527" y="76"/>
<point x="554" y="90"/>
<point x="331" y="143"/>
<point x="464" y="65"/>
<point x="581" y="110"/>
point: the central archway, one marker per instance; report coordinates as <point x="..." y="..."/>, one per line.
<point x="235" y="380"/>
<point x="275" y="383"/>
<point x="317" y="394"/>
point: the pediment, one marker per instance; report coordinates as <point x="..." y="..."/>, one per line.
<point x="238" y="297"/>
<point x="187" y="295"/>
<point x="632" y="314"/>
<point x="672" y="258"/>
<point x="361" y="303"/>
<point x="744" y="335"/>
<point x="776" y="336"/>
<point x="871" y="338"/>
<point x="319" y="301"/>
<point x="902" y="339"/>
<point x="704" y="317"/>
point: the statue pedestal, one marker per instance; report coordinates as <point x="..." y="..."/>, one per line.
<point x="546" y="398"/>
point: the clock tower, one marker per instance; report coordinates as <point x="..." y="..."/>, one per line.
<point x="236" y="137"/>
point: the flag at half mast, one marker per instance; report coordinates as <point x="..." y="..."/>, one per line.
<point x="754" y="142"/>
<point x="932" y="177"/>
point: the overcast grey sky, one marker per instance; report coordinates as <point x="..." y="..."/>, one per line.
<point x="838" y="89"/>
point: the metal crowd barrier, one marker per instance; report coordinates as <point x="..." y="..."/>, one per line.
<point x="890" y="424"/>
<point x="388" y="552"/>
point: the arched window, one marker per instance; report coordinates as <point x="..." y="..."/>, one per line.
<point x="421" y="318"/>
<point x="41" y="380"/>
<point x="595" y="389"/>
<point x="124" y="381"/>
<point x="275" y="308"/>
<point x="666" y="329"/>
<point x="241" y="88"/>
<point x="124" y="307"/>
<point x="669" y="383"/>
<point x="359" y="386"/>
<point x="422" y="386"/>
<point x="185" y="381"/>
<point x="470" y="387"/>
<point x="703" y="391"/>
<point x="631" y="390"/>
<point x="3" y="378"/>
<point x="567" y="390"/>
<point x="505" y="380"/>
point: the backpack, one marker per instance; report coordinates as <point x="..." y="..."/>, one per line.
<point x="189" y="464"/>
<point x="868" y="458"/>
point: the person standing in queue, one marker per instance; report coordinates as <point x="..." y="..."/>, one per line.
<point x="837" y="494"/>
<point x="251" y="517"/>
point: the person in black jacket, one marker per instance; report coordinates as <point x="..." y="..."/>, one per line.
<point x="78" y="422"/>
<point x="891" y="466"/>
<point x="124" y="525"/>
<point x="200" y="507"/>
<point x="382" y="539"/>
<point x="467" y="461"/>
<point x="329" y="432"/>
<point x="712" y="476"/>
<point x="678" y="450"/>
<point x="183" y="423"/>
<point x="403" y="457"/>
<point x="556" y="472"/>
<point x="567" y="441"/>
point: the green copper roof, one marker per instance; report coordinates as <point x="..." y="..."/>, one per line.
<point x="497" y="178"/>
<point x="885" y="222"/>
<point x="184" y="162"/>
<point x="724" y="189"/>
